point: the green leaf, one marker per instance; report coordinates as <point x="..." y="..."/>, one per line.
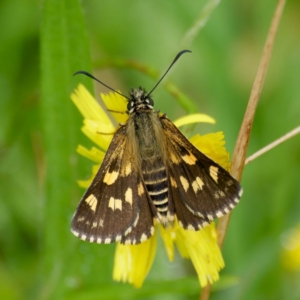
<point x="64" y="50"/>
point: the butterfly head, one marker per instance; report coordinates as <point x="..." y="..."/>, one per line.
<point x="139" y="101"/>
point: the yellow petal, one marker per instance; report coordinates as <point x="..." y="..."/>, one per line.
<point x="99" y="133"/>
<point x="212" y="145"/>
<point x="87" y="183"/>
<point x="93" y="154"/>
<point x="291" y="249"/>
<point x="194" y="118"/>
<point x="88" y="106"/>
<point x="203" y="251"/>
<point x="117" y="103"/>
<point x="168" y="237"/>
<point x="133" y="262"/>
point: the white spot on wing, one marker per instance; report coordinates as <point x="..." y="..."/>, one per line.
<point x="191" y="227"/>
<point x="210" y="217"/>
<point x="236" y="200"/>
<point x="76" y="233"/>
<point x="143" y="237"/>
<point x="219" y="214"/>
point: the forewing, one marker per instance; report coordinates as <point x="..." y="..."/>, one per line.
<point x="206" y="189"/>
<point x="110" y="208"/>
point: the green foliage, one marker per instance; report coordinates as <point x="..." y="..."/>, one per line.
<point x="43" y="44"/>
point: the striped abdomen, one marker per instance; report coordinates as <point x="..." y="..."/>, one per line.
<point x="155" y="178"/>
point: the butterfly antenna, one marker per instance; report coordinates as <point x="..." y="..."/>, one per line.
<point x="173" y="62"/>
<point x="90" y="75"/>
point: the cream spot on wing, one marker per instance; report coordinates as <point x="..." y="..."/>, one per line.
<point x="240" y="192"/>
<point x="236" y="200"/>
<point x="197" y="184"/>
<point x="216" y="195"/>
<point x="229" y="182"/>
<point x="222" y="194"/>
<point x="110" y="178"/>
<point x="205" y="224"/>
<point x="80" y="219"/>
<point x="189" y="159"/>
<point x="140" y="189"/>
<point x="128" y="230"/>
<point x="199" y="214"/>
<point x="170" y="217"/>
<point x="152" y="230"/>
<point x="210" y="217"/>
<point x="174" y="159"/>
<point x="219" y="214"/>
<point x="101" y="221"/>
<point x="92" y="201"/>
<point x="226" y="210"/>
<point x="95" y="225"/>
<point x="99" y="240"/>
<point x="83" y="237"/>
<point x="76" y="233"/>
<point x="184" y="183"/>
<point x="191" y="227"/>
<point x="128" y="196"/>
<point x="107" y="241"/>
<point x="143" y="237"/>
<point x="118" y="238"/>
<point x="128" y="169"/>
<point x="115" y="203"/>
<point x="173" y="182"/>
<point x="213" y="172"/>
<point x="92" y="239"/>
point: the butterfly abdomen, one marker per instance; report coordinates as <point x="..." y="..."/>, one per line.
<point x="152" y="158"/>
<point x="155" y="178"/>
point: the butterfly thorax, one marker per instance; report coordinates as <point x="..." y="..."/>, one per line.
<point x="147" y="132"/>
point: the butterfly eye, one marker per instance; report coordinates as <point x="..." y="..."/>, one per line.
<point x="130" y="104"/>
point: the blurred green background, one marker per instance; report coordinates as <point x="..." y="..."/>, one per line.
<point x="44" y="42"/>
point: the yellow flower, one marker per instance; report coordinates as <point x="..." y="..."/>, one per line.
<point x="291" y="249"/>
<point x="133" y="262"/>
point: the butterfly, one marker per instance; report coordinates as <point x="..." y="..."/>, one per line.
<point x="151" y="173"/>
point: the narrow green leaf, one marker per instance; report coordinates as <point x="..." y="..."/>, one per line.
<point x="64" y="50"/>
